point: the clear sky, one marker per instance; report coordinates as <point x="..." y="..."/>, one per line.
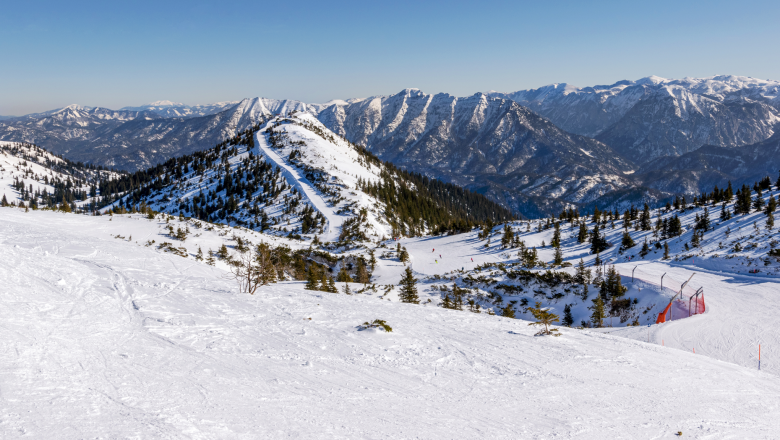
<point x="116" y="54"/>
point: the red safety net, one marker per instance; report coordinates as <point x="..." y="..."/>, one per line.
<point x="681" y="308"/>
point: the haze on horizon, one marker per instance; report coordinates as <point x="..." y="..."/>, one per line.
<point x="116" y="55"/>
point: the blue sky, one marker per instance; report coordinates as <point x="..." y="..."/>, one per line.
<point x="116" y="54"/>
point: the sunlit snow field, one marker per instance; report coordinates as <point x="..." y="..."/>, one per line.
<point x="102" y="337"/>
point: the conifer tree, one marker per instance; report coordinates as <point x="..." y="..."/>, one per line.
<point x="558" y="259"/>
<point x="508" y="236"/>
<point x="556" y="240"/>
<point x="508" y="311"/>
<point x="666" y="251"/>
<point x="346" y="289"/>
<point x="312" y="278"/>
<point x="457" y="297"/>
<point x="403" y="256"/>
<point x="332" y="286"/>
<point x="597" y="316"/>
<point x="582" y="234"/>
<point x="770" y="221"/>
<point x="324" y="282"/>
<point x="695" y="239"/>
<point x="362" y="274"/>
<point x="582" y="274"/>
<point x="771" y="205"/>
<point x="265" y="264"/>
<point x="210" y="259"/>
<point x="598" y="243"/>
<point x="627" y="241"/>
<point x="343" y="276"/>
<point x="645" y="249"/>
<point x="568" y="320"/>
<point x="408" y="293"/>
<point x="4" y="202"/>
<point x="300" y="268"/>
<point x="645" y="220"/>
<point x="544" y="318"/>
<point x="447" y="301"/>
<point x="199" y="255"/>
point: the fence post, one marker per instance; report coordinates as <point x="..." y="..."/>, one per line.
<point x="662" y="281"/>
<point x="632" y="274"/>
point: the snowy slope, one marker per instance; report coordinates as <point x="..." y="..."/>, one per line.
<point x="654" y="117"/>
<point x="38" y="171"/>
<point x="104" y="337"/>
<point x="339" y="167"/>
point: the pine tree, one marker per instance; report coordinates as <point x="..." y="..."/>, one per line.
<point x="223" y="252"/>
<point x="568" y="320"/>
<point x="509" y="235"/>
<point x="558" y="259"/>
<point x="447" y="301"/>
<point x="346" y="289"/>
<point x="457" y="297"/>
<point x="582" y="274"/>
<point x="408" y="293"/>
<point x="556" y="240"/>
<point x="597" y="261"/>
<point x="343" y="276"/>
<point x="771" y="206"/>
<point x="627" y="241"/>
<point x="4" y="202"/>
<point x="300" y="269"/>
<point x="582" y="234"/>
<point x="598" y="243"/>
<point x="758" y="202"/>
<point x="210" y="259"/>
<point x="332" y="286"/>
<point x="666" y="251"/>
<point x="770" y="221"/>
<point x="265" y="264"/>
<point x="312" y="278"/>
<point x="544" y="318"/>
<point x="645" y="249"/>
<point x="508" y="311"/>
<point x="695" y="239"/>
<point x="645" y="220"/>
<point x="597" y="316"/>
<point x="199" y="255"/>
<point x="403" y="255"/>
<point x="324" y="282"/>
<point x="614" y="287"/>
<point x="362" y="274"/>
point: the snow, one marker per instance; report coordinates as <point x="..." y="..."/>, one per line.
<point x="103" y="337"/>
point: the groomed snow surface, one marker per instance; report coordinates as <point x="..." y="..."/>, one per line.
<point x="105" y="338"/>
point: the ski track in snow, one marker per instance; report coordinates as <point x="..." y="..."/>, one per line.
<point x="303" y="185"/>
<point x="105" y="338"/>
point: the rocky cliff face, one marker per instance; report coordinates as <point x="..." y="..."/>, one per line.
<point x="491" y="145"/>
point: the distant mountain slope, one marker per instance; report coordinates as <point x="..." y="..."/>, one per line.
<point x="34" y="177"/>
<point x="709" y="165"/>
<point x="655" y="117"/>
<point x="134" y="139"/>
<point x="292" y="176"/>
<point x="490" y="145"/>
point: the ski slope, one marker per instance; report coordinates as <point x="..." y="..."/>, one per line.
<point x="741" y="314"/>
<point x="104" y="337"/>
<point x="305" y="187"/>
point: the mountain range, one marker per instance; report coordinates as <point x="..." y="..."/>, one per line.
<point x="534" y="151"/>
